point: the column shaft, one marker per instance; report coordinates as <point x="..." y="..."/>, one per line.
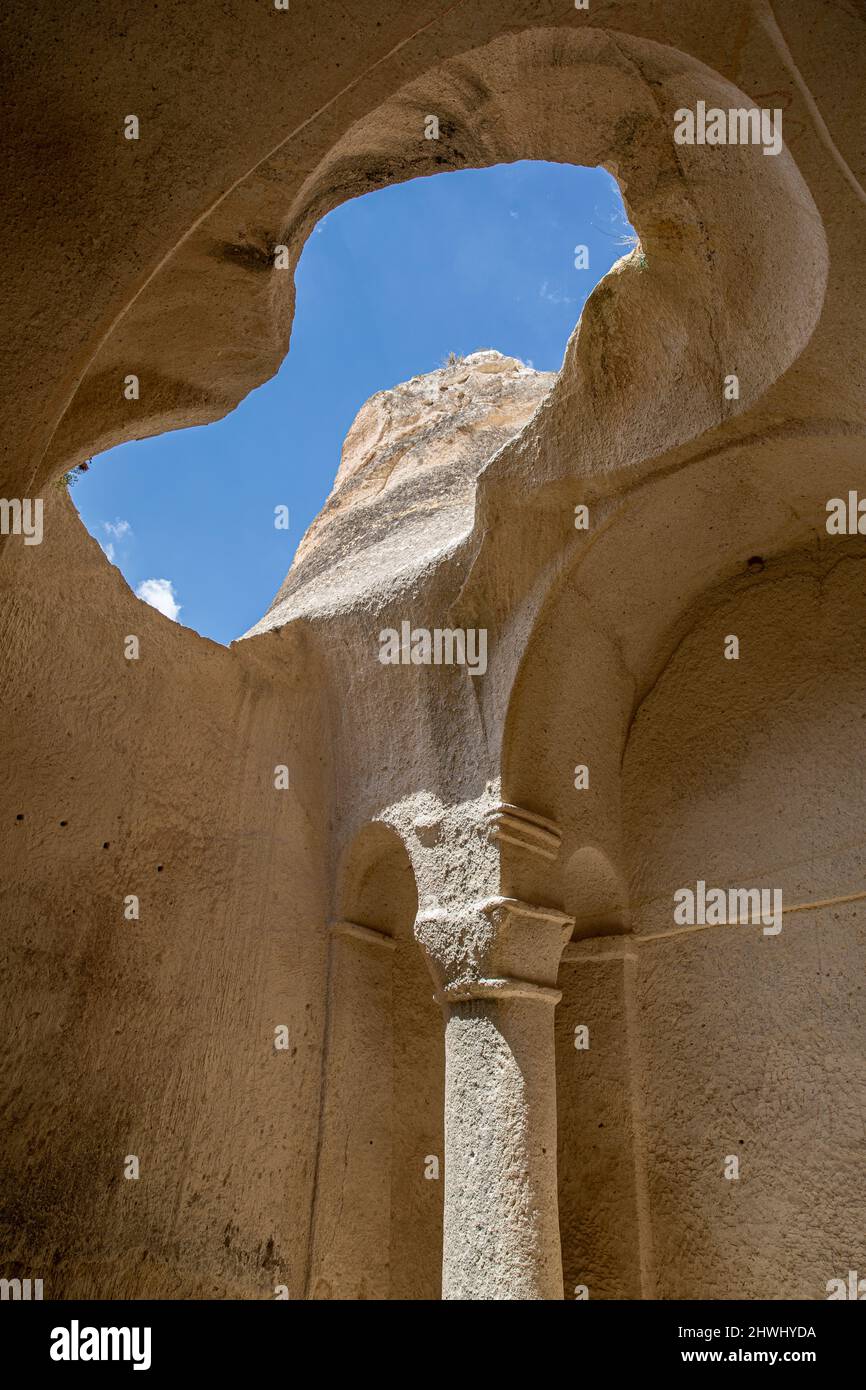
<point x="501" y="1233"/>
<point x="495" y="964"/>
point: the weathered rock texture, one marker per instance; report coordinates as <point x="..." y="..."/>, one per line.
<point x="406" y="481"/>
<point x="433" y="838"/>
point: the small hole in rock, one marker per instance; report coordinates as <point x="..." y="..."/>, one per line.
<point x="19" y="816"/>
<point x="755" y="564"/>
<point x="105" y="845"/>
<point x="64" y="822"/>
<point x="159" y="868"/>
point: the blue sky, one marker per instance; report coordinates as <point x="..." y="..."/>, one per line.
<point x="387" y="286"/>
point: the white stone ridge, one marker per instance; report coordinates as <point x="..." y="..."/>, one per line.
<point x="405" y="489"/>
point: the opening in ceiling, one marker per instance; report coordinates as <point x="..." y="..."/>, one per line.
<point x="390" y="286"/>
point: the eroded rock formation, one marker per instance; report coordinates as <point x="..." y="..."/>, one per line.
<point x="405" y="488"/>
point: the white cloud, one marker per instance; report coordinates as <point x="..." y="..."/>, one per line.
<point x="553" y="297"/>
<point x="119" y="529"/>
<point x="159" y="593"/>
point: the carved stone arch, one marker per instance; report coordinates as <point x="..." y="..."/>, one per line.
<point x="377" y="1219"/>
<point x="743" y="774"/>
<point x="681" y="737"/>
<point x="723" y="255"/>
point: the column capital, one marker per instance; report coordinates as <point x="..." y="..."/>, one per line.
<point x="495" y="948"/>
<point x="514" y="825"/>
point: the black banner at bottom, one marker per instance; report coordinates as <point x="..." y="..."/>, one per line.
<point x="163" y="1338"/>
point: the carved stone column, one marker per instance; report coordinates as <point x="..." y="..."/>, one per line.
<point x="495" y="968"/>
